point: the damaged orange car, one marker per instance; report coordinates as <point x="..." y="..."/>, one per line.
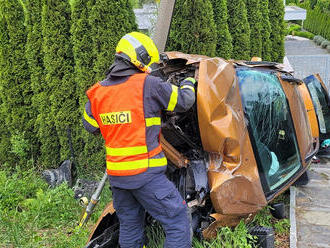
<point x="244" y="142"/>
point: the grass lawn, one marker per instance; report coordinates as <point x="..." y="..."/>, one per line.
<point x="34" y="215"/>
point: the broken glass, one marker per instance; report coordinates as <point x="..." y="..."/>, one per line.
<point x="270" y="127"/>
<point x="320" y="101"/>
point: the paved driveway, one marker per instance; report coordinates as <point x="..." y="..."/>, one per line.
<point x="307" y="58"/>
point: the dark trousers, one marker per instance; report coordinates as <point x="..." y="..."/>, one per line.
<point x="163" y="202"/>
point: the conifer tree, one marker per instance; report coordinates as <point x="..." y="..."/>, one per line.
<point x="4" y="69"/>
<point x="193" y="29"/>
<point x="254" y="18"/>
<point x="239" y="28"/>
<point x="276" y="18"/>
<point x="224" y="41"/>
<point x="265" y="31"/>
<point x="16" y="91"/>
<point x="58" y="84"/>
<point x="109" y="21"/>
<point x="34" y="56"/>
<point x="90" y="146"/>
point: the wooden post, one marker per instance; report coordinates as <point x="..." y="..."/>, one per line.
<point x="163" y="23"/>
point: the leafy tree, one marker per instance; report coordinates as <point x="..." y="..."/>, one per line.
<point x="265" y="31"/>
<point x="193" y="29"/>
<point x="16" y="90"/>
<point x="239" y="28"/>
<point x="276" y="18"/>
<point x="61" y="111"/>
<point x="255" y="20"/>
<point x="34" y="56"/>
<point x="224" y="41"/>
<point x="110" y="20"/>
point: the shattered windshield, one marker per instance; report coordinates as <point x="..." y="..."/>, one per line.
<point x="270" y="127"/>
<point x="320" y="102"/>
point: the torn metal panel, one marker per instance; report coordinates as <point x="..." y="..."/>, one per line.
<point x="233" y="174"/>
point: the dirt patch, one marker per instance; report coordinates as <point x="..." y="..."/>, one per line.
<point x="282" y="240"/>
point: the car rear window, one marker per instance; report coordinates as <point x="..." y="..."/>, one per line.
<point x="270" y="127"/>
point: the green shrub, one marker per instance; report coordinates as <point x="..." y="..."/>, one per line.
<point x="304" y="34"/>
<point x="294" y="27"/>
<point x="265" y="31"/>
<point x="47" y="217"/>
<point x="16" y="188"/>
<point x="282" y="226"/>
<point x="316" y="37"/>
<point x="320" y="40"/>
<point x="325" y="43"/>
<point x="276" y="18"/>
<point x="239" y="28"/>
<point x="323" y="5"/>
<point x="224" y="41"/>
<point x="193" y="29"/>
<point x="228" y="238"/>
<point x="291" y="2"/>
<point x="255" y="19"/>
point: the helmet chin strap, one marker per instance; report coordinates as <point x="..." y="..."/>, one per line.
<point x="138" y="64"/>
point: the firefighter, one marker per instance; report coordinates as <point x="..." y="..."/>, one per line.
<point x="126" y="108"/>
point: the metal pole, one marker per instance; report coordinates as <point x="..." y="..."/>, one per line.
<point x="163" y="23"/>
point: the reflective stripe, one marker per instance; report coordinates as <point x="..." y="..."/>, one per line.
<point x="190" y="79"/>
<point x="188" y="86"/>
<point x="90" y="120"/>
<point x="130" y="165"/>
<point x="152" y="121"/>
<point x="126" y="151"/>
<point x="173" y="98"/>
<point x="157" y="162"/>
<point x="132" y="40"/>
<point x="138" y="164"/>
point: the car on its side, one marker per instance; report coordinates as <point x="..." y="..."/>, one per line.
<point x="244" y="142"/>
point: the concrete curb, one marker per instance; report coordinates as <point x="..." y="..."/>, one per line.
<point x="293" y="226"/>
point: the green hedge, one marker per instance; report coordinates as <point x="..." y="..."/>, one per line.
<point x="318" y="22"/>
<point x="46" y="64"/>
<point x="304" y="34"/>
<point x="193" y="29"/>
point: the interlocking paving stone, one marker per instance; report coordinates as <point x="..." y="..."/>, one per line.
<point x="307" y="58"/>
<point x="313" y="208"/>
